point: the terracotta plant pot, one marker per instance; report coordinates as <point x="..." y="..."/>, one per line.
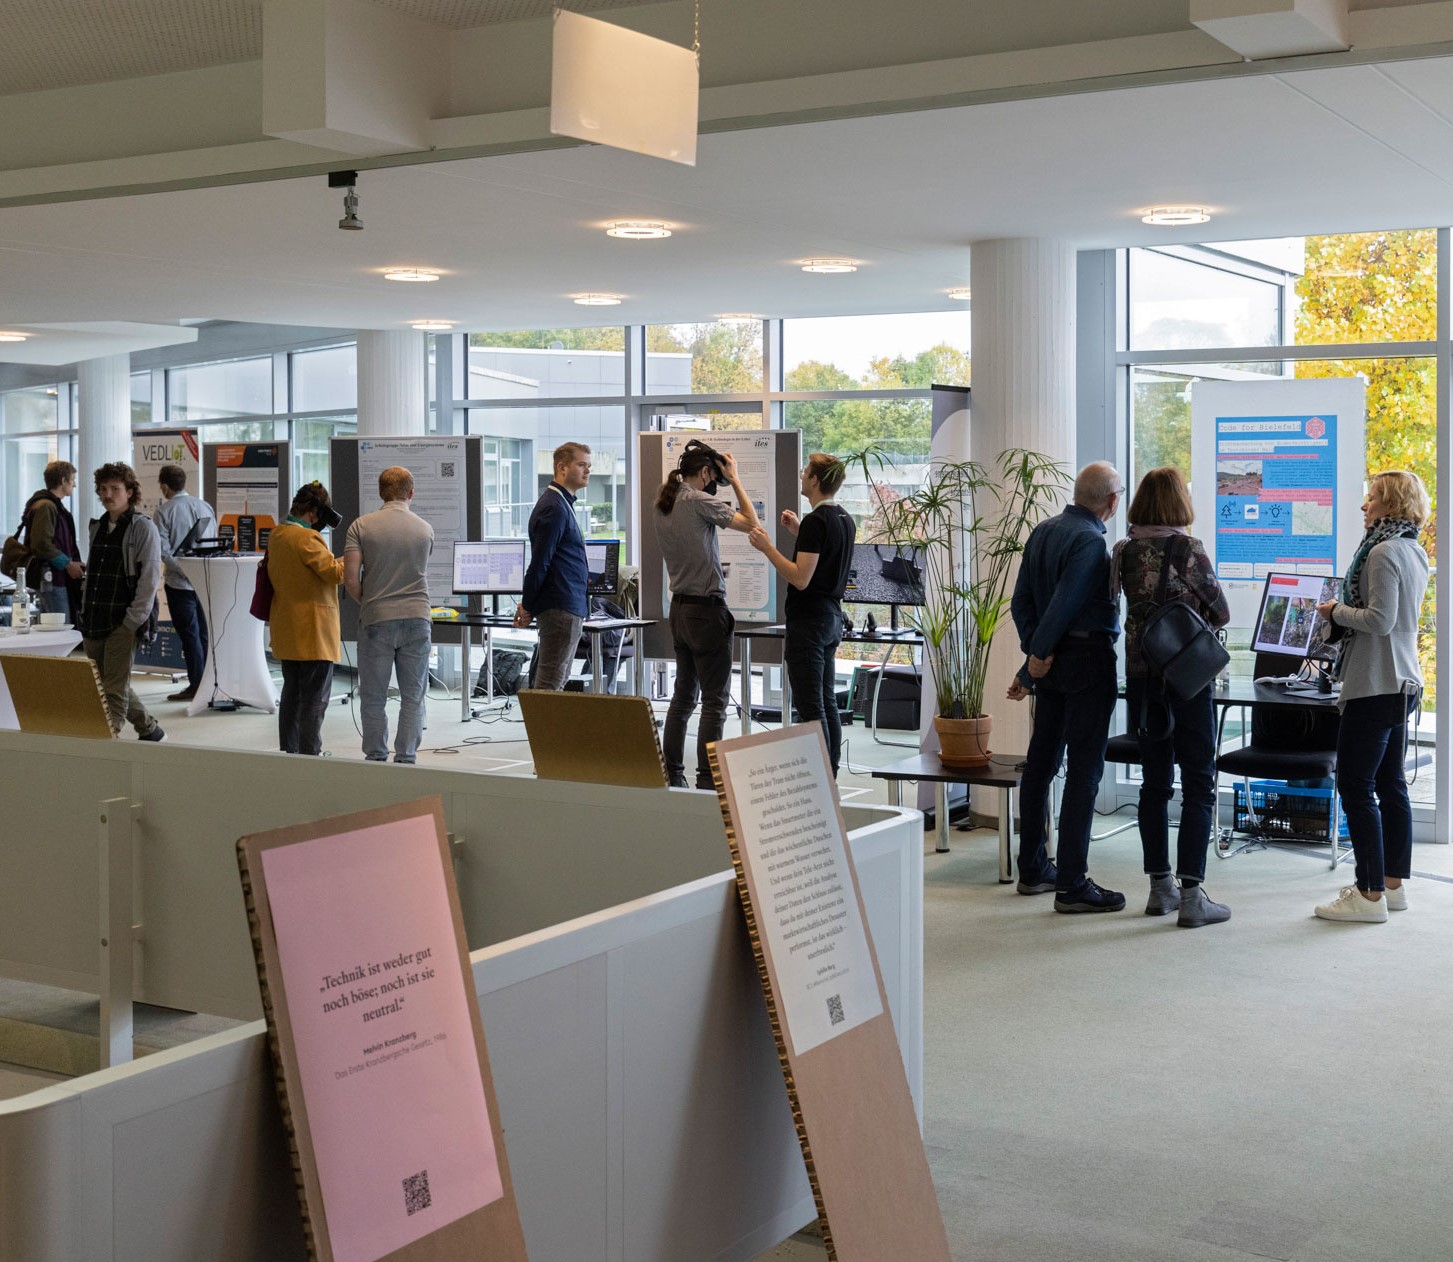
<point x="963" y="742"/>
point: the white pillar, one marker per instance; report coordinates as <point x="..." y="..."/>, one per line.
<point x="1023" y="346"/>
<point x="392" y="402"/>
<point x="103" y="397"/>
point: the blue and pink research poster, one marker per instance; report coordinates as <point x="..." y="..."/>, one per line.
<point x="1276" y="479"/>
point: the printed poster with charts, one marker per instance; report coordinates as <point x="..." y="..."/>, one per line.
<point x="849" y="1093"/>
<point x="750" y="578"/>
<point x="248" y="491"/>
<point x="440" y="488"/>
<point x="1278" y="475"/>
<point x="373" y="1022"/>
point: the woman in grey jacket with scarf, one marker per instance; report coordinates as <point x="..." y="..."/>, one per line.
<point x="1377" y="621"/>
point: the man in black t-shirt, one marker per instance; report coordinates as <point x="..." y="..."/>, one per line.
<point x="817" y="576"/>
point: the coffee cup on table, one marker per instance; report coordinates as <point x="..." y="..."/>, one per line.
<point x="52" y="619"/>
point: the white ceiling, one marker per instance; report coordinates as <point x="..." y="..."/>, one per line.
<point x="1355" y="148"/>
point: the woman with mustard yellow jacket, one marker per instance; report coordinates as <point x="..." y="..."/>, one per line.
<point x="305" y="635"/>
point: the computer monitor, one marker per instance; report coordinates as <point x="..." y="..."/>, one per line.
<point x="884" y="574"/>
<point x="489" y="567"/>
<point x="603" y="560"/>
<point x="1288" y="622"/>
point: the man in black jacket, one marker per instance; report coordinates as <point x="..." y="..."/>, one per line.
<point x="50" y="533"/>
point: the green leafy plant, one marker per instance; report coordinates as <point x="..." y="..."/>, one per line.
<point x="966" y="555"/>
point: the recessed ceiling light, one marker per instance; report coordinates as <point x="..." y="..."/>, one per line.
<point x="1175" y="216"/>
<point x="637" y="229"/>
<point x="963" y="293"/>
<point x="829" y="267"/>
<point x="414" y="275"/>
<point x="432" y="326"/>
<point x="596" y="300"/>
<point x="14" y="337"/>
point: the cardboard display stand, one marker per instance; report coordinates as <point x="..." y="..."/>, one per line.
<point x="825" y="998"/>
<point x="57" y="696"/>
<point x="381" y="1066"/>
<point x="593" y="738"/>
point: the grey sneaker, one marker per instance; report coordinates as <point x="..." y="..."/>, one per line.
<point x="1164" y="896"/>
<point x="1198" y="910"/>
<point x="1396" y="899"/>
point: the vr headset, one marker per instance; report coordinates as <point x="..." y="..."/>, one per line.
<point x="697" y="448"/>
<point x="329" y="518"/>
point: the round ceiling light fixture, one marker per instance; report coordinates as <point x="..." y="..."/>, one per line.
<point x="432" y="326"/>
<point x="14" y="337"/>
<point x="411" y="275"/>
<point x="962" y="294"/>
<point x="829" y="267"/>
<point x="637" y="229"/>
<point x="596" y="300"/>
<point x="1175" y="216"/>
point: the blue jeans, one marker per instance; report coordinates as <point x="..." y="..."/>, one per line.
<point x="702" y="638"/>
<point x="1192" y="745"/>
<point x="58" y="600"/>
<point x="809" y="652"/>
<point x="191" y="627"/>
<point x="396" y="645"/>
<point x="1370" y="752"/>
<point x="1072" y="709"/>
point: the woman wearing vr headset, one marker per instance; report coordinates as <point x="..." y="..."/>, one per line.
<point x="688" y="517"/>
<point x="305" y="635"/>
<point x="818" y="575"/>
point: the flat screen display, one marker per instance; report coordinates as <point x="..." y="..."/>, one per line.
<point x="1287" y="621"/>
<point x="489" y="567"/>
<point x="603" y="560"/>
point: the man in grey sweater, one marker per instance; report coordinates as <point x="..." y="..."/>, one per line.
<point x="385" y="563"/>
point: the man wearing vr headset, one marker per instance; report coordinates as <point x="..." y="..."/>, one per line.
<point x="688" y="517"/>
<point x="305" y="635"/>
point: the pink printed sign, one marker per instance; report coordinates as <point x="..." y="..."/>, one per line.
<point x="382" y="1033"/>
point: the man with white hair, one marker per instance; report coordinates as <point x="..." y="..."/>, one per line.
<point x="1067" y="624"/>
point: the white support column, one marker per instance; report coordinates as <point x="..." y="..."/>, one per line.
<point x="391" y="398"/>
<point x="103" y="396"/>
<point x="1023" y="344"/>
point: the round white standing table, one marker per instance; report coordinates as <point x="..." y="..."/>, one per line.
<point x="236" y="668"/>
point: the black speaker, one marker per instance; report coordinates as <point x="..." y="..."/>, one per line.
<point x="899" y="706"/>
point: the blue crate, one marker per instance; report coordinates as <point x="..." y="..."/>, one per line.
<point x="1279" y="811"/>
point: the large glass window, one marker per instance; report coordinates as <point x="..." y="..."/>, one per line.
<point x="204" y="392"/>
<point x="546" y="363"/>
<point x="876" y="352"/>
<point x="1368" y="287"/>
<point x="141" y="398"/>
<point x="723" y="357"/>
<point x="325" y="379"/>
<point x="27" y="411"/>
<point x="312" y="439"/>
<point x="1178" y="303"/>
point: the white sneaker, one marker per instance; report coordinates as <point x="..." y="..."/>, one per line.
<point x="1351" y="905"/>
<point x="1396" y="900"/>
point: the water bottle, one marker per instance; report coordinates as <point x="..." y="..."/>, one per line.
<point x="20" y="604"/>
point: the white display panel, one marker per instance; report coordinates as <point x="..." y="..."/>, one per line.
<point x="440" y="492"/>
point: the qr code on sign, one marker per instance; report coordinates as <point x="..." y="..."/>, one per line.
<point x="446" y="469"/>
<point x="835" y="1009"/>
<point x="416" y="1192"/>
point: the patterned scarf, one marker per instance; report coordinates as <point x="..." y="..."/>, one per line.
<point x="1380" y="531"/>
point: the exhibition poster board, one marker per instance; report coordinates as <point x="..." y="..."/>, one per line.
<point x="1279" y="469"/>
<point x="826" y="1004"/>
<point x="381" y="1066"/>
<point x="247" y="486"/>
<point x="149" y="452"/>
<point x="438" y="466"/>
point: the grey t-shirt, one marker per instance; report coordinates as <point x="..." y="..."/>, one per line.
<point x="395" y="544"/>
<point x="687" y="538"/>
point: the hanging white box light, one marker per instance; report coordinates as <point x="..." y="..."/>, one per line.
<point x="620" y="88"/>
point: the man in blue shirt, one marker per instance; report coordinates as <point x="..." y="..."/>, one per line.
<point x="555" y="595"/>
<point x="1067" y="624"/>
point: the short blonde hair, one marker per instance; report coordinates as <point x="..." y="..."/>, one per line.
<point x="395" y="483"/>
<point x="1404" y="494"/>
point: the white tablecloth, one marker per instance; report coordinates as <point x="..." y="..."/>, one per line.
<point x="48" y="643"/>
<point x="236" y="667"/>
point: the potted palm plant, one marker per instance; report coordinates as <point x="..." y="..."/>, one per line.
<point x="959" y="534"/>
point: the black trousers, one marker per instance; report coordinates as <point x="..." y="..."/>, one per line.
<point x="307" y="687"/>
<point x="191" y="628"/>
<point x="810" y="655"/>
<point x="702" y="638"/>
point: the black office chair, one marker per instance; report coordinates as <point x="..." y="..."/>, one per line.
<point x="1122" y="748"/>
<point x="1287" y="743"/>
